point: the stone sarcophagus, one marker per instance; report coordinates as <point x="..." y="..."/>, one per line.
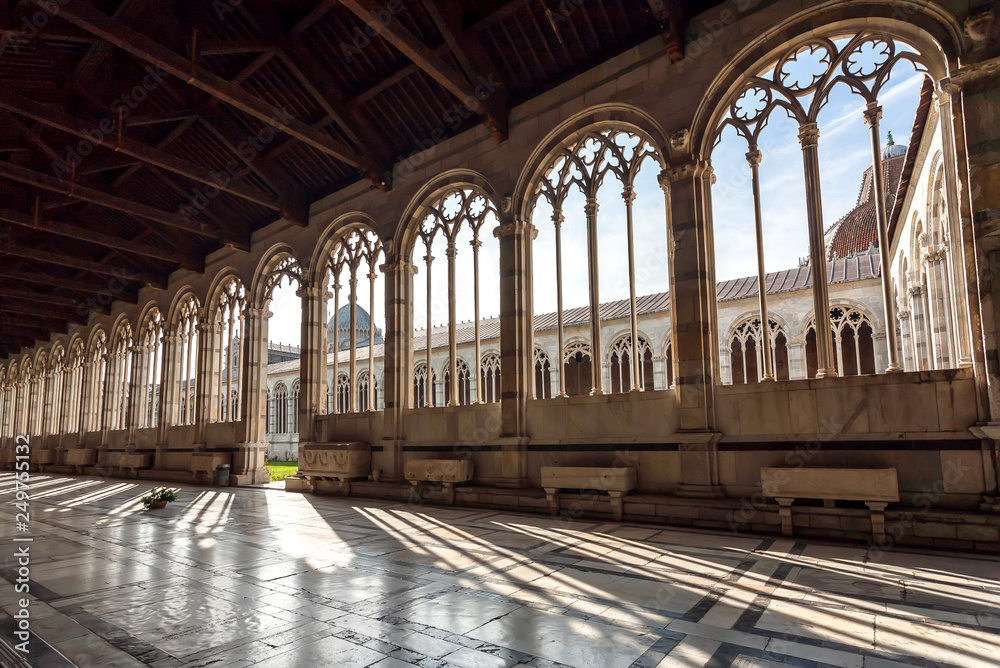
<point x="445" y="471"/>
<point x="876" y="487"/>
<point x="335" y="461"/>
<point x="128" y="463"/>
<point x="616" y="481"/>
<point x="207" y="462"/>
<point x="42" y="458"/>
<point x="78" y="458"/>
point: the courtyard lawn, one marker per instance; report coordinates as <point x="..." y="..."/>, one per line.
<point x="280" y="470"/>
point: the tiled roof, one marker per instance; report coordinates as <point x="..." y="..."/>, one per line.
<point x="839" y="271"/>
<point x="858" y="231"/>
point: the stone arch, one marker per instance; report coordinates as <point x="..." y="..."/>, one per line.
<point x="210" y="307"/>
<point x="750" y="313"/>
<point x="258" y="290"/>
<point x="334" y="232"/>
<point x="181" y="298"/>
<point x="597" y="118"/>
<point x="878" y="322"/>
<point x="407" y="230"/>
<point x="931" y="30"/>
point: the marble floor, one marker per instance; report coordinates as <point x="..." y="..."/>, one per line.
<point x="261" y="577"/>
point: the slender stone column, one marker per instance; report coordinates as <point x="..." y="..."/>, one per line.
<point x="872" y="115"/>
<point x="312" y="361"/>
<point x="371" y="339"/>
<point x="476" y="245"/>
<point x="557" y="221"/>
<point x="336" y="345"/>
<point x="809" y="140"/>
<point x="452" y="398"/>
<point x="516" y="345"/>
<point x="594" y="283"/>
<point x="430" y="389"/>
<point x="753" y="158"/>
<point x="629" y="196"/>
<point x="352" y="374"/>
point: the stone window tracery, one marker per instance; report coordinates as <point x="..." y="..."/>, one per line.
<point x="852" y="338"/>
<point x="455" y="215"/>
<point x="490" y="374"/>
<point x="747" y="357"/>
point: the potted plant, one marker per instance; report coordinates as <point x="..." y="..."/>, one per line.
<point x="158" y="497"/>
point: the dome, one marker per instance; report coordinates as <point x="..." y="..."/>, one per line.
<point x="344" y="317"/>
<point x="892" y="149"/>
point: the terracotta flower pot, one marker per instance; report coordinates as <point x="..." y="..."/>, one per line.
<point x="158" y="505"/>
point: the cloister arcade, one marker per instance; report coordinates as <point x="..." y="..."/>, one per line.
<point x="686" y="395"/>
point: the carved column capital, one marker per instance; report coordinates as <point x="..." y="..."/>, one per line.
<point x="873" y="114"/>
<point x="809" y="135"/>
<point x="515" y="226"/>
<point x="754" y="157"/>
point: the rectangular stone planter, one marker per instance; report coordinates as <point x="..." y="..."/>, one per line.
<point x="446" y="471"/>
<point x="206" y="462"/>
<point x="335" y="461"/>
<point x="78" y="458"/>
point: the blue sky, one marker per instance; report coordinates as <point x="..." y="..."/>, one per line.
<point x="845" y="153"/>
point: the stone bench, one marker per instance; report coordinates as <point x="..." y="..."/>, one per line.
<point x="448" y="472"/>
<point x="206" y="462"/>
<point x="343" y="462"/>
<point x="79" y="458"/>
<point x="615" y="481"/>
<point x="875" y="487"/>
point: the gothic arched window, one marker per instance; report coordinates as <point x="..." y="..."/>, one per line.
<point x="186" y="353"/>
<point x="464" y="389"/>
<point x="577" y="362"/>
<point x="490" y="374"/>
<point x="621" y="366"/>
<point x="747" y="362"/>
<point x="454" y="222"/>
<point x="852" y="339"/>
<point x="230" y="314"/>
<point x="543" y="374"/>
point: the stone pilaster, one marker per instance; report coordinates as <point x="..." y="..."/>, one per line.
<point x="397" y="361"/>
<point x="312" y="366"/>
<point x="516" y="345"/>
<point x="248" y="462"/>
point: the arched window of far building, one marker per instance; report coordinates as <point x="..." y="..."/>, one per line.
<point x="490" y="373"/>
<point x="343" y="393"/>
<point x="293" y="400"/>
<point x="621" y="367"/>
<point x="364" y="387"/>
<point x="268" y="414"/>
<point x="747" y="361"/>
<point x="577" y="363"/>
<point x="422" y="386"/>
<point x="280" y="408"/>
<point x="464" y="389"/>
<point x="543" y="374"/>
<point x="852" y="337"/>
<point x="228" y="322"/>
<point x="185" y="356"/>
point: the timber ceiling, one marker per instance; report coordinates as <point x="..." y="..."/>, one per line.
<point x="118" y="116"/>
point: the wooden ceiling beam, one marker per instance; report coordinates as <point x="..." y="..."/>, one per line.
<point x="8" y="306"/>
<point x="476" y="97"/>
<point x="101" y="291"/>
<point x="100" y="268"/>
<point x="148" y="50"/>
<point x="107" y="136"/>
<point x="76" y="191"/>
<point x="106" y="240"/>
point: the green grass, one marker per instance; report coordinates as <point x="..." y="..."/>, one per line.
<point x="279" y="470"/>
